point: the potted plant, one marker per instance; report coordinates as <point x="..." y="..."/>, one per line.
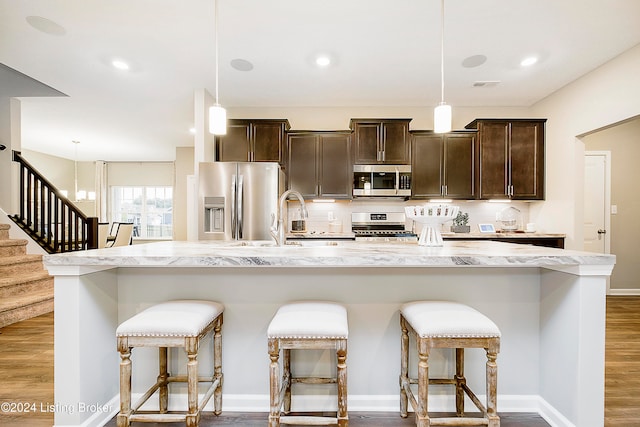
<point x="460" y="223"/>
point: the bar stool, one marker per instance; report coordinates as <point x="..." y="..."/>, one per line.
<point x="443" y="324"/>
<point x="180" y="323"/>
<point x="305" y="326"/>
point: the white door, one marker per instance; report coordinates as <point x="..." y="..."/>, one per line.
<point x="597" y="174"/>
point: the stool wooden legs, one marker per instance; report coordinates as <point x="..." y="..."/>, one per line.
<point x="286" y="380"/>
<point x="420" y="402"/>
<point x="460" y="382"/>
<point x="125" y="387"/>
<point x="162" y="380"/>
<point x="128" y="412"/>
<point x="404" y="368"/>
<point x="217" y="367"/>
<point x="341" y="351"/>
<point x="274" y="383"/>
<point x="492" y="385"/>
<point x="193" y="415"/>
<point x="422" y="411"/>
<point x="280" y="384"/>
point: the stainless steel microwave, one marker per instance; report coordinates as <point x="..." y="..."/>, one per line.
<point x="382" y="180"/>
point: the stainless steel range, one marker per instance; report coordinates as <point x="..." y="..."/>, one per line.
<point x="380" y="226"/>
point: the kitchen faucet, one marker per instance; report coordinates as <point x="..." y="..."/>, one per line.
<point x="278" y="228"/>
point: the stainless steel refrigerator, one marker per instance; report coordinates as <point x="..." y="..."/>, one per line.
<point x="237" y="199"/>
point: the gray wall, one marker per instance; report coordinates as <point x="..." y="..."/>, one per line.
<point x="623" y="141"/>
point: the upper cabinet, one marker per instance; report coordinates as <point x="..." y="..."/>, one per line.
<point x="384" y="141"/>
<point x="443" y="165"/>
<point x="510" y="158"/>
<point x="318" y="164"/>
<point x="252" y="141"/>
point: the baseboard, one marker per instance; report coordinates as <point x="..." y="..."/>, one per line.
<point x="552" y="415"/>
<point x="356" y="403"/>
<point x="624" y="292"/>
<point x="102" y="416"/>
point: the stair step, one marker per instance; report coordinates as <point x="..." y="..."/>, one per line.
<point x="11" y="247"/>
<point x="19" y="309"/>
<point x="25" y="285"/>
<point x="4" y="231"/>
<point x="20" y="264"/>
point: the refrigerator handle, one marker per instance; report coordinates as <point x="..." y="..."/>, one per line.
<point x="240" y="207"/>
<point x="233" y="207"/>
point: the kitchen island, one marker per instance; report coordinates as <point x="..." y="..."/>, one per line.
<point x="548" y="303"/>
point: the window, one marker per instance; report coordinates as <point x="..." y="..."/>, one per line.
<point x="150" y="209"/>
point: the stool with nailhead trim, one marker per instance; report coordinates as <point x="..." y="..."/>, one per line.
<point x="305" y="326"/>
<point x="180" y="323"/>
<point x="443" y="324"/>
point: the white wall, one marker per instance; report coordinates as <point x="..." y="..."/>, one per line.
<point x="10" y="138"/>
<point x="184" y="166"/>
<point x="141" y="173"/>
<point x="606" y="96"/>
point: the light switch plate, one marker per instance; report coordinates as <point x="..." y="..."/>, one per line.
<point x="614" y="209"/>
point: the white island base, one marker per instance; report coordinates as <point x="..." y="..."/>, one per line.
<point x="548" y="303"/>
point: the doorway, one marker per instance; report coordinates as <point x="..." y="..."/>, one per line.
<point x="597" y="201"/>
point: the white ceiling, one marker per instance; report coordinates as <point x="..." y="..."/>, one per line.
<point x="386" y="53"/>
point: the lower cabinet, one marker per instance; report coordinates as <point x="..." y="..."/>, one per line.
<point x="319" y="165"/>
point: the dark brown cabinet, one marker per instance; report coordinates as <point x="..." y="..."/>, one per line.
<point x="443" y="165"/>
<point x="252" y="141"/>
<point x="510" y="158"/>
<point x="319" y="164"/>
<point x="384" y="141"/>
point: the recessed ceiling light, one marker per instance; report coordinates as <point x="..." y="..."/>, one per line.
<point x="120" y="64"/>
<point x="241" y="64"/>
<point x="474" y="61"/>
<point x="529" y="61"/>
<point x="486" y="83"/>
<point x="46" y="25"/>
<point x="323" y="61"/>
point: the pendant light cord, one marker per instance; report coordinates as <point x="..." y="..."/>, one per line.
<point x="215" y="7"/>
<point x="442" y="51"/>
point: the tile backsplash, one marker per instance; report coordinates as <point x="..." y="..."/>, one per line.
<point x="336" y="216"/>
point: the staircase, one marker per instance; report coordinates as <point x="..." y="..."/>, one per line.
<point x="26" y="289"/>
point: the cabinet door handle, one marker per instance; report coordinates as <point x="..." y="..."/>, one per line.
<point x="509" y="190"/>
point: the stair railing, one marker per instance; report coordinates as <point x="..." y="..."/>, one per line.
<point x="51" y="219"/>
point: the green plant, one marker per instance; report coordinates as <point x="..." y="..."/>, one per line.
<point x="461" y="219"/>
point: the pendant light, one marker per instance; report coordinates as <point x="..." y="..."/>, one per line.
<point x="217" y="114"/>
<point x="442" y="113"/>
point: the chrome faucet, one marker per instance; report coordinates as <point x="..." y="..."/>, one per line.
<point x="278" y="231"/>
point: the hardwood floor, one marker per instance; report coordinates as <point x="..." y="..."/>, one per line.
<point x="26" y="372"/>
<point x="26" y="376"/>
<point x="622" y="362"/>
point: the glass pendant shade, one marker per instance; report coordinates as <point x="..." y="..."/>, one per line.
<point x="442" y="118"/>
<point x="217" y="120"/>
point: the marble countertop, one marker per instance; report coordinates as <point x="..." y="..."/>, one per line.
<point x="328" y="254"/>
<point x="504" y="235"/>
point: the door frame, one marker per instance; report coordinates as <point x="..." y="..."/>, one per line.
<point x="607" y="195"/>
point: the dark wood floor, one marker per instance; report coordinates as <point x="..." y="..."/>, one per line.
<point x="356" y="419"/>
<point x="622" y="362"/>
<point x="26" y="376"/>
